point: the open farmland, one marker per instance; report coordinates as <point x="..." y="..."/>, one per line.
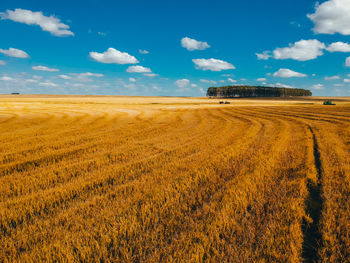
<point x="173" y="179"/>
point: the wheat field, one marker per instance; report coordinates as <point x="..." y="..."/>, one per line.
<point x="130" y="179"/>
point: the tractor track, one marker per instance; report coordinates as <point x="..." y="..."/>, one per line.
<point x="312" y="237"/>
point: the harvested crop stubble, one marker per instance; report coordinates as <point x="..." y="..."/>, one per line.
<point x="178" y="181"/>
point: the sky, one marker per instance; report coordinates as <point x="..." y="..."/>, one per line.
<point x="173" y="48"/>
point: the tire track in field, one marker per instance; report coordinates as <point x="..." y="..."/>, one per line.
<point x="312" y="236"/>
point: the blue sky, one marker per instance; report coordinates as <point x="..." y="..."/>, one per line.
<point x="174" y="48"/>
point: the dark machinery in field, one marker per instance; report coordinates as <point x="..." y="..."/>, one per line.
<point x="328" y="102"/>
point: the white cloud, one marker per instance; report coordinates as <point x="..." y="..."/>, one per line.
<point x="132" y="79"/>
<point x="332" y="17"/>
<point x="113" y="56"/>
<point x="85" y="77"/>
<point x="287" y="73"/>
<point x="212" y="64"/>
<point x="280" y="85"/>
<point x="338" y="85"/>
<point x="338" y="47"/>
<point x="77" y="85"/>
<point x="6" y="78"/>
<point x="182" y="83"/>
<point x="150" y="75"/>
<point x="13" y="52"/>
<point x="138" y="69"/>
<point x="64" y="77"/>
<point x="207" y="81"/>
<point x="302" y="50"/>
<point x="232" y="80"/>
<point x="47" y="23"/>
<point x="47" y="84"/>
<point x="347" y="62"/>
<point x="43" y="68"/>
<point x="317" y="87"/>
<point x="31" y="80"/>
<point x="332" y="78"/>
<point x="347" y="80"/>
<point x="192" y="44"/>
<point x="156" y="88"/>
<point x="89" y="74"/>
<point x="2" y="63"/>
<point x="264" y="56"/>
<point x="143" y="51"/>
<point x="261" y="79"/>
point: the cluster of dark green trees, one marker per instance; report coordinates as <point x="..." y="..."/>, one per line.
<point x="255" y="91"/>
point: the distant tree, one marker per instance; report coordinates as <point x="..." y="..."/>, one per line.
<point x="255" y="91"/>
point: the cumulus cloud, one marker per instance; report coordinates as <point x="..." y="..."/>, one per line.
<point x="65" y="77"/>
<point x="207" y="81"/>
<point x="47" y="23"/>
<point x="347" y="80"/>
<point x="338" y="47"/>
<point x="212" y="64"/>
<point x="317" y="87"/>
<point x="2" y="63"/>
<point x="332" y="17"/>
<point x="143" y="51"/>
<point x="113" y="56"/>
<point x="347" y="62"/>
<point x="332" y="78"/>
<point x="182" y="83"/>
<point x="302" y="50"/>
<point x="132" y="79"/>
<point x="231" y="80"/>
<point x="192" y="44"/>
<point x="13" y="52"/>
<point x="287" y="73"/>
<point x="263" y="56"/>
<point x="43" y="68"/>
<point x="138" y="69"/>
<point x="261" y="79"/>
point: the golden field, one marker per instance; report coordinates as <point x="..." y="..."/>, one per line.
<point x="131" y="179"/>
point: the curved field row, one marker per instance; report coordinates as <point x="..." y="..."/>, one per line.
<point x="158" y="183"/>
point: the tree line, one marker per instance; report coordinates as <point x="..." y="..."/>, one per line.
<point x="255" y="91"/>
